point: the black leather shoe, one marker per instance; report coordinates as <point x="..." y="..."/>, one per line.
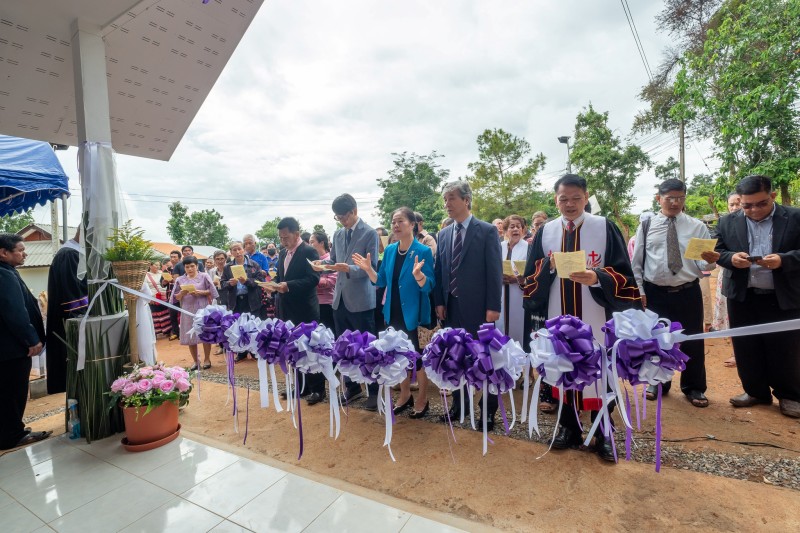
<point x="372" y="403"/>
<point x="745" y="400"/>
<point x="421" y="414"/>
<point x="315" y="398"/>
<point x="566" y="438"/>
<point x="351" y="395"/>
<point x="400" y="408"/>
<point x="604" y="448"/>
<point x="451" y="416"/>
<point x="489" y="423"/>
<point x="303" y="394"/>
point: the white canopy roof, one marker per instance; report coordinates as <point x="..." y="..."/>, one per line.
<point x="162" y="59"/>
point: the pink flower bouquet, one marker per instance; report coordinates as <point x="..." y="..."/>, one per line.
<point x="150" y="386"/>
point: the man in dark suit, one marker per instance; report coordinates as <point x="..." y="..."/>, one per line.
<point x="297" y="286"/>
<point x="354" y="295"/>
<point x="759" y="247"/>
<point x="469" y="274"/>
<point x="21" y="335"/>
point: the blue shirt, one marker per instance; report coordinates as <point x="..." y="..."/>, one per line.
<point x="261" y="260"/>
<point x="759" y="237"/>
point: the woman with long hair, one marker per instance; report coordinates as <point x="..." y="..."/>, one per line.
<point x="407" y="273"/>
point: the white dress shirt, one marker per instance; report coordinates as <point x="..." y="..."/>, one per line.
<point x="656" y="269"/>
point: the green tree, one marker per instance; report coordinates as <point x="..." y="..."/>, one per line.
<point x="176" y="225"/>
<point x="204" y="228"/>
<point x="609" y="167"/>
<point x="745" y="83"/>
<point x="414" y="181"/>
<point x="207" y="229"/>
<point x="269" y="230"/>
<point x="318" y="227"/>
<point x="504" y="178"/>
<point x="15" y="222"/>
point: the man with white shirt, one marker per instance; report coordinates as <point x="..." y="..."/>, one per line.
<point x="670" y="284"/>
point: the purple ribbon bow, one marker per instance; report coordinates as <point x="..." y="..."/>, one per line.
<point x="348" y="351"/>
<point x="631" y="354"/>
<point x="482" y="368"/>
<point x="271" y="341"/>
<point x="573" y="340"/>
<point x="448" y="355"/>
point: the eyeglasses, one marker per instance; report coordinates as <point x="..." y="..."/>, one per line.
<point x="757" y="205"/>
<point x="674" y="199"/>
<point x="339" y="218"/>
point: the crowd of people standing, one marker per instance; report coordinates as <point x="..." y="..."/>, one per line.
<point x="472" y="272"/>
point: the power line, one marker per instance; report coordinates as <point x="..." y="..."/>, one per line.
<point x="632" y="25"/>
<point x="307" y="201"/>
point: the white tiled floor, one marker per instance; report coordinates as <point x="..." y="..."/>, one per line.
<point x="61" y="485"/>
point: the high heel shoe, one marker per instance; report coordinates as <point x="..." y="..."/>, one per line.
<point x="400" y="408"/>
<point x="420" y="414"/>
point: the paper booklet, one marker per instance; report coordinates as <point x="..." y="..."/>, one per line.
<point x="513" y="268"/>
<point x="696" y="247"/>
<point x="238" y="271"/>
<point x="569" y="262"/>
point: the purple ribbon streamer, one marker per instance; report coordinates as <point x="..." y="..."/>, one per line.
<point x="299" y="415"/>
<point x="658" y="431"/>
<point x="246" y="417"/>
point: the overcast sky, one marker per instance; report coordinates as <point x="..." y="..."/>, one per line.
<point x="319" y="94"/>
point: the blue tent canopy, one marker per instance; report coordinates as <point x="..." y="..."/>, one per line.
<point x="30" y="174"/>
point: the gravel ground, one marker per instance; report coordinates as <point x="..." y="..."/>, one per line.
<point x="782" y="472"/>
<point x="45" y="414"/>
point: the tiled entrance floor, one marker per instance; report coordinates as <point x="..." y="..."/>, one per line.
<point x="65" y="485"/>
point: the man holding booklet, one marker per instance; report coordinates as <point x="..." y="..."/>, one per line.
<point x="672" y="250"/>
<point x="578" y="265"/>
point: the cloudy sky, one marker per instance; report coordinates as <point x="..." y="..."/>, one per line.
<point x="319" y="94"/>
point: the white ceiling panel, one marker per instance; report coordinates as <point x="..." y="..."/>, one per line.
<point x="162" y="59"/>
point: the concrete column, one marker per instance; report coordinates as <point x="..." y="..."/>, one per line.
<point x="91" y="85"/>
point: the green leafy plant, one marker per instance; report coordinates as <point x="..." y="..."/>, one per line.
<point x="128" y="244"/>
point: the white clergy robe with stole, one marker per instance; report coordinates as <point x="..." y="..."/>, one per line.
<point x="606" y="255"/>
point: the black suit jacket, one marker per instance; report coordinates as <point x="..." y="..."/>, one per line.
<point x="21" y="324"/>
<point x="480" y="273"/>
<point x="300" y="304"/>
<point x="732" y="238"/>
<point x="227" y="293"/>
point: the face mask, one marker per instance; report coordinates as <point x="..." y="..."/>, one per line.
<point x="271" y="251"/>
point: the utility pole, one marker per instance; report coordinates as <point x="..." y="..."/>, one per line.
<point x="682" y="153"/>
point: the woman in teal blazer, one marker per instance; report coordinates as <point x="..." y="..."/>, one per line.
<point x="407" y="273"/>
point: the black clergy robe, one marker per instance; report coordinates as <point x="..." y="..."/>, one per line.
<point x="606" y="254"/>
<point x="67" y="297"/>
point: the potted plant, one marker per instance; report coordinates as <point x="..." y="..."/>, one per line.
<point x="130" y="255"/>
<point x="149" y="397"/>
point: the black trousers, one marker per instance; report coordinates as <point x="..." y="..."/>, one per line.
<point x="13" y="399"/>
<point x="174" y="320"/>
<point x="453" y="320"/>
<point x="684" y="306"/>
<point x="362" y="321"/>
<point x="769" y="361"/>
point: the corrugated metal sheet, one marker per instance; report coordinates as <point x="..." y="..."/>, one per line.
<point x="40" y="253"/>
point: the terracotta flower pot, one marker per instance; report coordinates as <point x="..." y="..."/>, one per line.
<point x="154" y="427"/>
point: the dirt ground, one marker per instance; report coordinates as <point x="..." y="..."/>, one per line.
<point x="511" y="488"/>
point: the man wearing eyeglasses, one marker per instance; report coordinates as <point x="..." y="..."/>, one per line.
<point x="354" y="295"/>
<point x="670" y="283"/>
<point x="759" y="247"/>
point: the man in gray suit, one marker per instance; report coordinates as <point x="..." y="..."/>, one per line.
<point x="354" y="295"/>
<point x="469" y="273"/>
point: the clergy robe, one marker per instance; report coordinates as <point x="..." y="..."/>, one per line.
<point x="606" y="255"/>
<point x="511" y="320"/>
<point x="67" y="297"/>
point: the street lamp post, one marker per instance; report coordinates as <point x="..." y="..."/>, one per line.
<point x="564" y="139"/>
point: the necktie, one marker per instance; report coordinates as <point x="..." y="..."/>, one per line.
<point x="569" y="244"/>
<point x="674" y="261"/>
<point x="347" y="237"/>
<point x="457" y="245"/>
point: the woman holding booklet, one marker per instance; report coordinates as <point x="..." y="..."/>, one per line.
<point x="194" y="290"/>
<point x="239" y="287"/>
<point x="514" y="252"/>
